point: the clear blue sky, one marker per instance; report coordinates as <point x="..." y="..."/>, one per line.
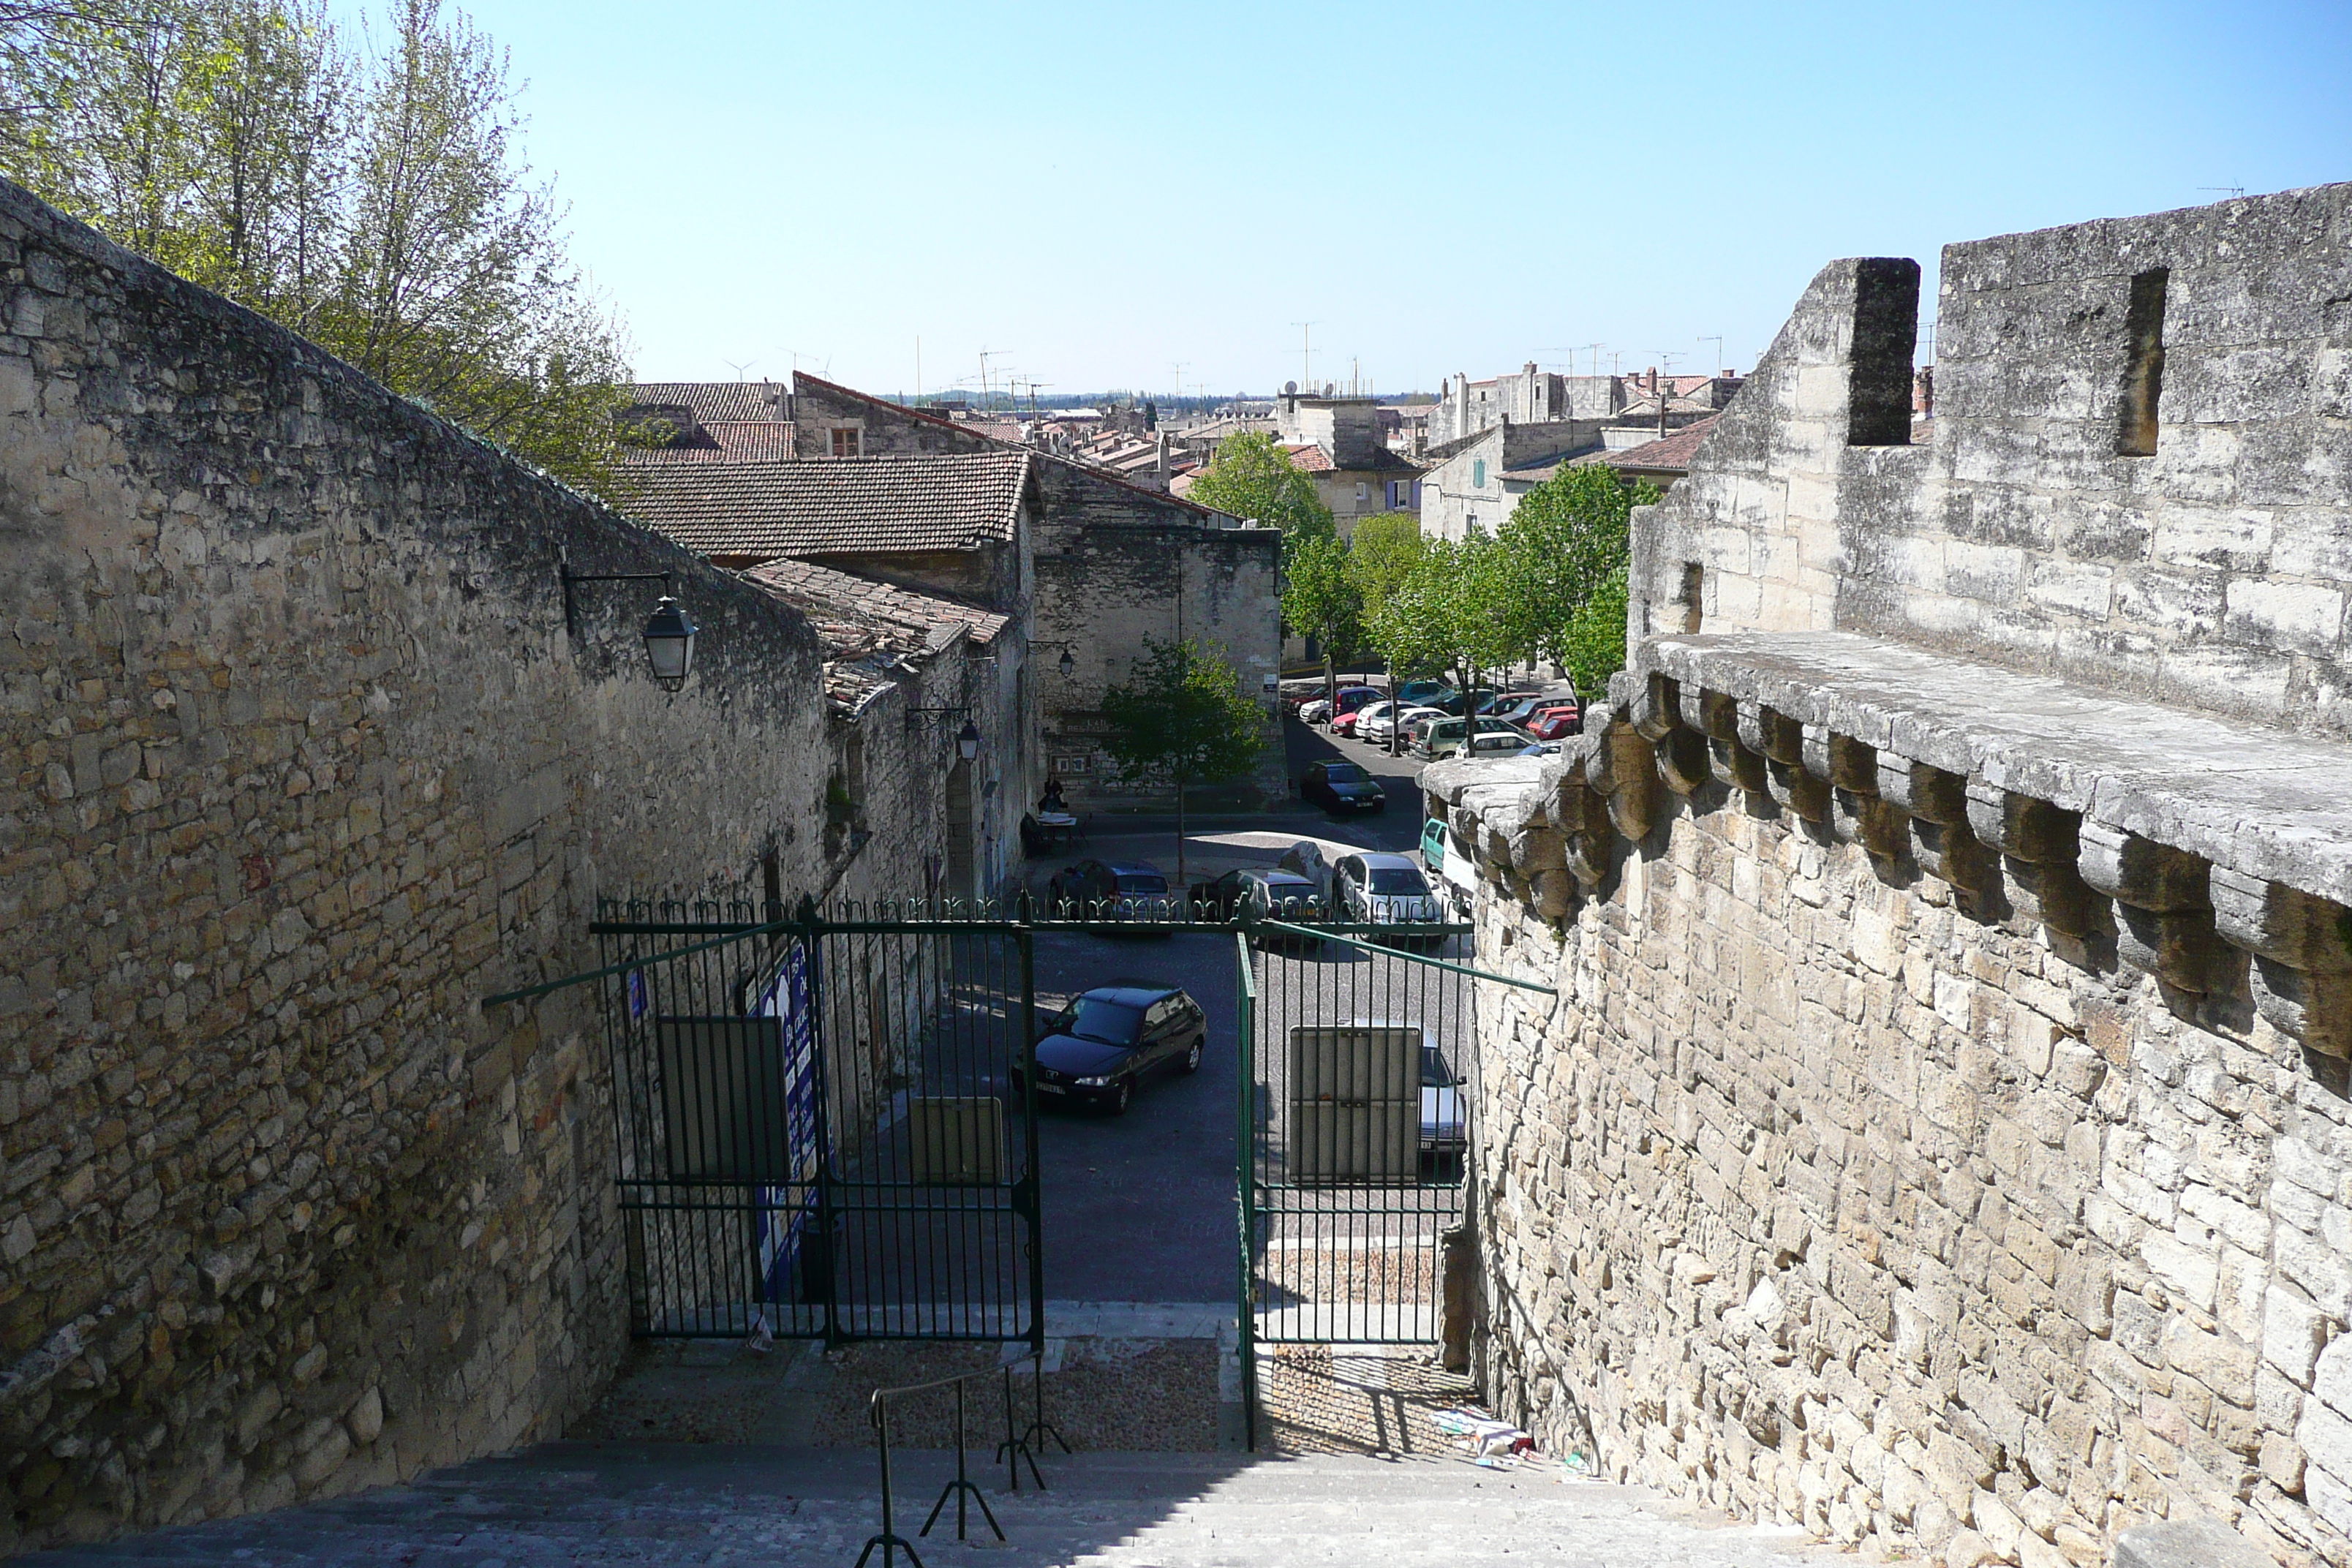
<point x="1101" y="191"/>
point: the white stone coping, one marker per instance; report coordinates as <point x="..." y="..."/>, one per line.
<point x="2266" y="802"/>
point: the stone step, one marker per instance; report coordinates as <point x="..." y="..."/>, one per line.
<point x="584" y="1505"/>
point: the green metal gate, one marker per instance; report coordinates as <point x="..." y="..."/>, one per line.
<point x="817" y="1124"/>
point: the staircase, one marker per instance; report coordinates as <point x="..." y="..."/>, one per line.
<point x="599" y="1503"/>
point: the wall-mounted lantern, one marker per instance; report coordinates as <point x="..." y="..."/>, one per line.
<point x="670" y="643"/>
<point x="669" y="631"/>
<point x="1068" y="664"/>
<point x="967" y="738"/>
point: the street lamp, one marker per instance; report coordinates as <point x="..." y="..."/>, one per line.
<point x="1068" y="664"/>
<point x="669" y="631"/>
<point x="968" y="741"/>
<point x="670" y="643"/>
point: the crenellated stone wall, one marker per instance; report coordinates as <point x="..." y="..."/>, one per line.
<point x="1939" y="1136"/>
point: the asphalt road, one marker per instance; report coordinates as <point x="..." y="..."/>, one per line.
<point x="1142" y="1208"/>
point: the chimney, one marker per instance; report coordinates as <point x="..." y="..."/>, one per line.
<point x="1651" y="376"/>
<point x="1923" y="391"/>
<point x="1530" y="367"/>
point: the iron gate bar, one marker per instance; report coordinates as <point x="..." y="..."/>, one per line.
<point x="1327" y="934"/>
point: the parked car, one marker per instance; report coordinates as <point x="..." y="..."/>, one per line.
<point x="1520" y="706"/>
<point x="1382" y="889"/>
<point x="1349" y="698"/>
<point x="1497" y="703"/>
<point x="1448" y="736"/>
<point x="1097" y="1050"/>
<point x="1457" y="703"/>
<point x="1381" y="722"/>
<point x="1442" y="1133"/>
<point x="1110" y="889"/>
<point x="1267" y="894"/>
<point x="1343" y="788"/>
<point x="1419" y="719"/>
<point x="1305" y="860"/>
<point x="1539" y="749"/>
<point x="1433" y="845"/>
<point x="1552" y="723"/>
<point x="1352" y="721"/>
<point x="1422" y="692"/>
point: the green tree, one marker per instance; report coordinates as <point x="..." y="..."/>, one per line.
<point x="1564" y="541"/>
<point x="1320" y="600"/>
<point x="1455" y="612"/>
<point x="1381" y="554"/>
<point x="1253" y="478"/>
<point x="1595" y="648"/>
<point x="376" y="202"/>
<point x="1182" y="715"/>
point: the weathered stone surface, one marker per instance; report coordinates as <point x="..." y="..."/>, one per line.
<point x="307" y="765"/>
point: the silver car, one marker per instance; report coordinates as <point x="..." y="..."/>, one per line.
<point x="1383" y="889"/>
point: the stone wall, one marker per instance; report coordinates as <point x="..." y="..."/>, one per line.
<point x="1116" y="565"/>
<point x="2210" y="571"/>
<point x="305" y="764"/>
<point x="1939" y="1136"/>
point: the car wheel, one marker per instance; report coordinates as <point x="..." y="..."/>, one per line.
<point x="1192" y="1057"/>
<point x="1121" y="1097"/>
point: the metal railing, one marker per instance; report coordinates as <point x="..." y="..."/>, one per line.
<point x="1015" y="1447"/>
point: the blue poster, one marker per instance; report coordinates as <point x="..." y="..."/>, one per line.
<point x="787" y="1212"/>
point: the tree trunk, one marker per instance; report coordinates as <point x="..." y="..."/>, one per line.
<point x="1180" y="841"/>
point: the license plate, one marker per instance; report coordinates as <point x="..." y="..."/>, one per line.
<point x="1051" y="1088"/>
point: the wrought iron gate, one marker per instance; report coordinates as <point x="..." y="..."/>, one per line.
<point x="817" y="1128"/>
<point x="1358" y="1058"/>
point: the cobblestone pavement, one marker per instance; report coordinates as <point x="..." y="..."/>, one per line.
<point x="586" y="1504"/>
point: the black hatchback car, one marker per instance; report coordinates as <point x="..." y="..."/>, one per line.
<point x="1343" y="788"/>
<point x="1111" y="890"/>
<point x="1096" y="1051"/>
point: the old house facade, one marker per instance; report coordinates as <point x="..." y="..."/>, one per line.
<point x="1939" y="1137"/>
<point x="1476" y="481"/>
<point x="1339" y="443"/>
<point x="1084" y="564"/>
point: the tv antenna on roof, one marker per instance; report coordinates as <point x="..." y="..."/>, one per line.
<point x="1718" y="351"/>
<point x="1306" y="355"/>
<point x="738" y="367"/>
<point x="2231" y="190"/>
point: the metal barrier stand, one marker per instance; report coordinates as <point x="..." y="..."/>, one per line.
<point x="961" y="1488"/>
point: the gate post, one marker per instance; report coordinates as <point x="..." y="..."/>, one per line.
<point x="1245" y="1177"/>
<point x="1034" y="1175"/>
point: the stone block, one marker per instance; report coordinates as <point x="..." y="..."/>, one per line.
<point x="2186" y="1544"/>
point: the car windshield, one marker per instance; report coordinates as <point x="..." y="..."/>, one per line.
<point x="1400" y="880"/>
<point x="1343" y="772"/>
<point x="1143" y="884"/>
<point x="1434" y="1073"/>
<point x="1111" y="1023"/>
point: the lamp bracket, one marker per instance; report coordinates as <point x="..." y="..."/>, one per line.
<point x="570" y="613"/>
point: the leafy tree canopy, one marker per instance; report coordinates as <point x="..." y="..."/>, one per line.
<point x="1253" y="478"/>
<point x="373" y="198"/>
<point x="1562" y="544"/>
<point x="1381" y="554"/>
<point x="1182" y="715"/>
<point x="1320" y="599"/>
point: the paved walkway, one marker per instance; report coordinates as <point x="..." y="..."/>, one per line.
<point x="784" y="1507"/>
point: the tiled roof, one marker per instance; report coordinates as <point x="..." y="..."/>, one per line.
<point x="737" y="401"/>
<point x="767" y="441"/>
<point x="925" y="501"/>
<point x="1536" y="470"/>
<point x="1308" y="457"/>
<point x="868" y="628"/>
<point x="1670" y="454"/>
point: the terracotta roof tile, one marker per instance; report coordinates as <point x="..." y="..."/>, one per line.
<point x="1670" y="454"/>
<point x="926" y="501"/>
<point x="1308" y="457"/>
<point x="721" y="401"/>
<point x="870" y="628"/>
<point x="765" y="441"/>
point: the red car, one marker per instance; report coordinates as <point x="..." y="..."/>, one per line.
<point x="1552" y="723"/>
